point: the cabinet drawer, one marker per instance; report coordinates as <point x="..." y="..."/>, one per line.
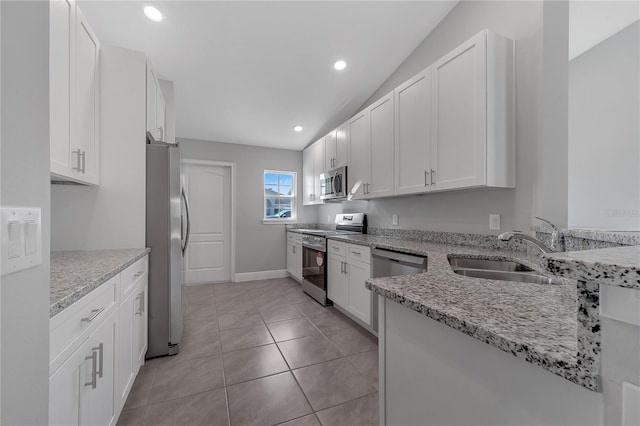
<point x="294" y="238"/>
<point x="71" y="326"/>
<point x="359" y="253"/>
<point x="336" y="247"/>
<point x="132" y="274"/>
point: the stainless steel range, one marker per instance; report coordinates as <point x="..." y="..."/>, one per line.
<point x="314" y="253"/>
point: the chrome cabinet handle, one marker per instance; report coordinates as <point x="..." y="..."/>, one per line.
<point x="342" y="267"/>
<point x="294" y="249"/>
<point x="78" y="168"/>
<point x="345" y="267"/>
<point x="425" y="178"/>
<point x="100" y="349"/>
<point x="84" y="155"/>
<point x="94" y="369"/>
<point x="357" y="253"/>
<point x="138" y="274"/>
<point x="140" y="297"/>
<point x="95" y="313"/>
<point x="161" y="132"/>
<point x="431" y="175"/>
<point x="143" y="307"/>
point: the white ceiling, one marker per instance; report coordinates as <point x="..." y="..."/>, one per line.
<point x="246" y="72"/>
<point x="591" y="22"/>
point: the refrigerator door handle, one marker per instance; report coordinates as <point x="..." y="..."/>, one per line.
<point x="188" y="233"/>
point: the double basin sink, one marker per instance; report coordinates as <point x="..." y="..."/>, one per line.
<point x="502" y="270"/>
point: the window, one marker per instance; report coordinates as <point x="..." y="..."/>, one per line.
<point x="279" y="196"/>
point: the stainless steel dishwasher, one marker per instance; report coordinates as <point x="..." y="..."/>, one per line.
<point x="387" y="263"/>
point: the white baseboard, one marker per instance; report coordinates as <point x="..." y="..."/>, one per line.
<point x="260" y="275"/>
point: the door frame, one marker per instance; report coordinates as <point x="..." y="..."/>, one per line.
<point x="232" y="166"/>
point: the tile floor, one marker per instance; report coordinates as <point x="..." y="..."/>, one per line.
<point x="260" y="353"/>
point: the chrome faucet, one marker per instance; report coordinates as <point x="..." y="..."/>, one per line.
<point x="557" y="242"/>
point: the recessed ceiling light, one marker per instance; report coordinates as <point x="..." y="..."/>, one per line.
<point x="340" y="65"/>
<point x="297" y="128"/>
<point x="153" y="13"/>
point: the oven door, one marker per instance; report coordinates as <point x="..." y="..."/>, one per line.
<point x="314" y="273"/>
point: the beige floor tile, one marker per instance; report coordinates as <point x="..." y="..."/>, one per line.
<point x="308" y="350"/>
<point x="266" y="401"/>
<point x="280" y="313"/>
<point x="203" y="409"/>
<point x="139" y="394"/>
<point x="242" y="338"/>
<point x="291" y="329"/>
<point x="353" y="340"/>
<point x="252" y="363"/>
<point x="239" y="319"/>
<point x="367" y="364"/>
<point x="331" y="383"/>
<point x="309" y="420"/>
<point x="360" y="412"/>
<point x="187" y="377"/>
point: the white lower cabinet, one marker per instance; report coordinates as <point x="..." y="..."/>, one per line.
<point x="97" y="347"/>
<point x="81" y="390"/>
<point x="294" y="255"/>
<point x="346" y="279"/>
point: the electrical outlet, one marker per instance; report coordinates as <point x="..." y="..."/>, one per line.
<point x="494" y="222"/>
<point x="394" y="219"/>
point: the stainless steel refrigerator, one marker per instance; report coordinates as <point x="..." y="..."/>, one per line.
<point x="167" y="236"/>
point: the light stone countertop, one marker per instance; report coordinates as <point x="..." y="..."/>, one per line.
<point x="74" y="274"/>
<point x="536" y="322"/>
<point x="619" y="266"/>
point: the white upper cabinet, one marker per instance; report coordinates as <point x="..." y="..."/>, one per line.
<point x="74" y="95"/>
<point x="308" y="186"/>
<point x="472" y="127"/>
<point x="451" y="126"/>
<point x="336" y="145"/>
<point x="360" y="153"/>
<point x="155" y="107"/>
<point x="413" y="134"/>
<point x="87" y="100"/>
<point x="313" y="165"/>
<point x="318" y="168"/>
<point x="382" y="165"/>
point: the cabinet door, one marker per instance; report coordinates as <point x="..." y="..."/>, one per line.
<point x="318" y="167"/>
<point x="152" y="103"/>
<point x="141" y="322"/>
<point x="359" y="152"/>
<point x="64" y="391"/>
<point x="298" y="262"/>
<point x="413" y="134"/>
<point x="160" y="113"/>
<point x="459" y="116"/>
<point x="291" y="258"/>
<point x="126" y="359"/>
<point x="330" y="150"/>
<point x="61" y="43"/>
<point x="86" y="108"/>
<point x="337" y="281"/>
<point x="96" y="404"/>
<point x="308" y="183"/>
<point x="342" y="146"/>
<point x="382" y="151"/>
<point x="359" y="296"/>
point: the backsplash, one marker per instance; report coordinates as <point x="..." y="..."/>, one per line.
<point x="587" y="239"/>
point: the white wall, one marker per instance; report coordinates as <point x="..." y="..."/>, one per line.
<point x="468" y="210"/>
<point x="259" y="247"/>
<point x="110" y="216"/>
<point x="604" y="134"/>
<point x="24" y="373"/>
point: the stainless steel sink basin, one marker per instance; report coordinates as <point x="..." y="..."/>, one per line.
<point x="523" y="277"/>
<point x="485" y="264"/>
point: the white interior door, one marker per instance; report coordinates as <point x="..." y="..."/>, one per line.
<point x="208" y="255"/>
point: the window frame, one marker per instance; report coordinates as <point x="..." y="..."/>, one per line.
<point x="293" y="198"/>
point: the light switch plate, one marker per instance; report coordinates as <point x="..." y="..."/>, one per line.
<point x="21" y="238"/>
<point x="494" y="222"/>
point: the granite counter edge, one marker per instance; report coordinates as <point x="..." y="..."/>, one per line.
<point x="60" y="305"/>
<point x="566" y="368"/>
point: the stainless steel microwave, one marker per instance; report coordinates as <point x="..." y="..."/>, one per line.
<point x="333" y="184"/>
